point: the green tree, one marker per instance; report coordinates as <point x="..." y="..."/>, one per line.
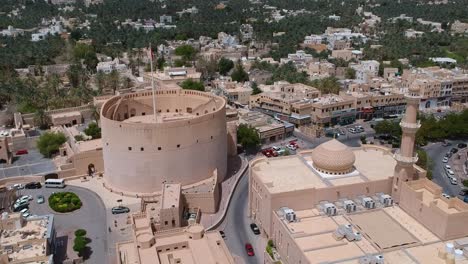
<point x="425" y="162"/>
<point x="350" y="73"/>
<point x="87" y="54"/>
<point x="248" y="137"/>
<point x="192" y="85"/>
<point x="225" y="65"/>
<point x="93" y="130"/>
<point x="239" y="74"/>
<point x="327" y="85"/>
<point x="50" y="142"/>
<point x="255" y="89"/>
<point x="187" y="52"/>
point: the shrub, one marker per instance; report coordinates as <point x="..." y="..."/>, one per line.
<point x="64" y="202"/>
<point x="80" y="232"/>
<point x="465" y="183"/>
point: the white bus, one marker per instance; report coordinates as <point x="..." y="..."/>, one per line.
<point x="54" y="183"/>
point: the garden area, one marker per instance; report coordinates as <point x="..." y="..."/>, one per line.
<point x="64" y="202"/>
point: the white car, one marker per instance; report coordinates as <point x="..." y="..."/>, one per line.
<point x="24" y="198"/>
<point x="18" y="186"/>
<point x="291" y="147"/>
<point x="25" y="212"/>
<point x="446" y="196"/>
<point x="275" y="148"/>
<point x="450" y="174"/>
<point x="447" y="167"/>
<point x="453" y="181"/>
<point x="445" y="160"/>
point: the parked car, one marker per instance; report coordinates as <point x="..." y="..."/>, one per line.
<point x="291" y="147"/>
<point x="446" y="144"/>
<point x="453" y="181"/>
<point x="281" y="152"/>
<point x="454" y="150"/>
<point x="447" y="167"/>
<point x="19" y="207"/>
<point x="22" y="152"/>
<point x="33" y="185"/>
<point x="40" y="199"/>
<point x="24" y="198"/>
<point x="25" y="212"/>
<point x="249" y="249"/>
<point x="223" y="235"/>
<point x="120" y="210"/>
<point x="445" y="160"/>
<point x="267" y="152"/>
<point x="275" y="148"/>
<point x="352" y="130"/>
<point x="446" y="195"/>
<point x="255" y="229"/>
<point x="18" y="186"/>
<point x="461" y="145"/>
<point x="463" y="192"/>
<point x="450" y="173"/>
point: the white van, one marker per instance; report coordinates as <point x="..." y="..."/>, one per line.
<point x="54" y="183"/>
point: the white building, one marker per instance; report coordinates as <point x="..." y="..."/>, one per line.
<point x="313" y="39"/>
<point x="366" y="70"/>
<point x="11" y="32"/>
<point x="55" y="28"/>
<point x="109" y="66"/>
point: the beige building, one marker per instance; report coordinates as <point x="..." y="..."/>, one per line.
<point x="333" y="109"/>
<point x="269" y="129"/>
<point x="26" y="240"/>
<point x="159" y="236"/>
<point x="285" y="98"/>
<point x="142" y="152"/>
<point x="172" y="76"/>
<point x="356" y="205"/>
<point x="233" y="91"/>
<point x="320" y="69"/>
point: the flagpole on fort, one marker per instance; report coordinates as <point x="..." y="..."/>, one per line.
<point x="152" y="83"/>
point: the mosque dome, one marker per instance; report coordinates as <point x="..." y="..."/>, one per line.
<point x="333" y="157"/>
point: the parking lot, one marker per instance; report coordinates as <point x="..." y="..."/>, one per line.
<point x="32" y="163"/>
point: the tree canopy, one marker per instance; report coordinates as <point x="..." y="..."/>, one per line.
<point x="239" y="74"/>
<point x="192" y="85"/>
<point x="50" y="142"/>
<point x="93" y="130"/>
<point x="248" y="137"/>
<point x="225" y="65"/>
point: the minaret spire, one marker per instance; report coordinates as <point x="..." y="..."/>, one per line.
<point x="405" y="156"/>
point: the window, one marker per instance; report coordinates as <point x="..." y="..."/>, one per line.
<point x="142" y="148"/>
<point x="129" y="148"/>
<point x="178" y="145"/>
<point x="159" y="148"/>
<point x="165" y="222"/>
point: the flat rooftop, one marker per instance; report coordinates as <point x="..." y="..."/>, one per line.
<point x="389" y="230"/>
<point x="171" y="195"/>
<point x="371" y="164"/>
<point x="382" y="230"/>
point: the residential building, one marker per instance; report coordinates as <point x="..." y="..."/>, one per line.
<point x="172" y="76"/>
<point x="53" y="29"/>
<point x="347" y="54"/>
<point x="320" y="69"/>
<point x="332" y="109"/>
<point x="411" y="33"/>
<point x="26" y="240"/>
<point x="366" y="70"/>
<point x="459" y="27"/>
<point x="300" y="59"/>
<point x="109" y="66"/>
<point x="246" y="32"/>
<point x="284" y="98"/>
<point x="234" y="92"/>
<point x="11" y="32"/>
<point x="268" y="128"/>
<point x="436" y="26"/>
<point x="259" y="76"/>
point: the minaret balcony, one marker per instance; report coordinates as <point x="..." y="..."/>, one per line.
<point x="404" y="159"/>
<point x="410" y="127"/>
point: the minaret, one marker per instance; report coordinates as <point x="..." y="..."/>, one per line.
<point x="405" y="156"/>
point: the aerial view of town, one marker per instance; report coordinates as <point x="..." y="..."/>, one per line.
<point x="234" y="131"/>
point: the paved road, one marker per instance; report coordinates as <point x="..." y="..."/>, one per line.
<point x="437" y="152"/>
<point x="91" y="217"/>
<point x="237" y="226"/>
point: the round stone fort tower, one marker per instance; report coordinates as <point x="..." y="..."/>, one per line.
<point x="405" y="156"/>
<point x="186" y="142"/>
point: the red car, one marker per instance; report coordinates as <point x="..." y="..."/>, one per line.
<point x="249" y="249"/>
<point x="267" y="153"/>
<point x="22" y="152"/>
<point x="294" y="143"/>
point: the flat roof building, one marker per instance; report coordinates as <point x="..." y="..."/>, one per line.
<point x="26" y="240"/>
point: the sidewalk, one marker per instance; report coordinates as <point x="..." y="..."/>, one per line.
<point x="227" y="188"/>
<point x="108" y="198"/>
